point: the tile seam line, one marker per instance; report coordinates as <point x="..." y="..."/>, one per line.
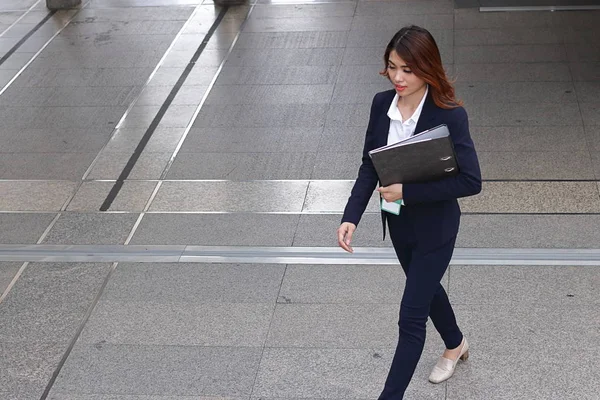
<point x="115" y="190"/>
<point x="212" y="83"/>
<point x="20" y="18"/>
<point x="36" y="54"/>
<point x="80" y="328"/>
<point x="146" y="84"/>
<point x="130" y="107"/>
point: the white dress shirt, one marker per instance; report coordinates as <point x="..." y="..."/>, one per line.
<point x="399" y="129"/>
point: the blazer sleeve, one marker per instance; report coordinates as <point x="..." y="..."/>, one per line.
<point x="468" y="180"/>
<point x="367" y="176"/>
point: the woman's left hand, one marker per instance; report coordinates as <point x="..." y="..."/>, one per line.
<point x="391" y="193"/>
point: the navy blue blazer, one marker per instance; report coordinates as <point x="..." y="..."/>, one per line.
<point x="431" y="213"/>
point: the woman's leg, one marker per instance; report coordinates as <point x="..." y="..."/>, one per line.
<point x="425" y="272"/>
<point x="441" y="312"/>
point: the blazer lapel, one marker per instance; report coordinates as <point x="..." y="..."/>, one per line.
<point x="428" y="115"/>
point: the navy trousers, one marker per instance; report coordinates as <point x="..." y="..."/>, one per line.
<point x="423" y="296"/>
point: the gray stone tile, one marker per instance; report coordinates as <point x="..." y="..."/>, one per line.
<point x="513" y="72"/>
<point x="242" y="140"/>
<point x="516" y="92"/>
<point x="88" y="77"/>
<point x="134" y="14"/>
<point x="178" y="324"/>
<point x="284" y="57"/>
<point x="336" y="373"/>
<point x="331" y="196"/>
<point x="533" y="53"/>
<point x="90" y="45"/>
<point x="320" y="230"/>
<point x="270" y="94"/>
<point x="587" y="91"/>
<point x="168" y="76"/>
<point x="231" y="196"/>
<point x="23" y="228"/>
<point x="48" y="302"/>
<point x="374" y="55"/>
<point x="125" y="27"/>
<point x="163" y="140"/>
<point x="536" y="165"/>
<point x="342" y="284"/>
<point x="26" y="368"/>
<point x="390" y="22"/>
<point x="261" y="115"/>
<point x="274" y="75"/>
<point x="579" y="35"/>
<point x="116" y="369"/>
<point x="298" y="24"/>
<point x="110" y="59"/>
<point x="217" y="229"/>
<point x="67" y="96"/>
<point x="347" y="93"/>
<point x="592" y="133"/>
<point x="589" y="71"/>
<point x="590" y="113"/>
<point x="502" y="36"/>
<point x="353" y="138"/>
<point x="132" y="197"/>
<point x="563" y="370"/>
<point x="333" y="326"/>
<point x="291" y="40"/>
<point x="209" y="58"/>
<point x="355" y="114"/>
<point x="194" y="283"/>
<point x="345" y="9"/>
<point x="337" y="165"/>
<point x="534" y="197"/>
<point x="16" y="61"/>
<point x="8" y="270"/>
<point x="242" y="166"/>
<point x="380" y="38"/>
<point x="359" y="74"/>
<point x="529" y="139"/>
<point x="45" y="166"/>
<point x="529" y="231"/>
<point x="149" y="165"/>
<point x="69" y="140"/>
<point x="533" y="285"/>
<point x="92" y="228"/>
<point x="59" y="117"/>
<point x="56" y="395"/>
<point x="34" y="195"/>
<point x="524" y="114"/>
<point x="473" y="19"/>
<point x="386" y="8"/>
<point x="583" y="53"/>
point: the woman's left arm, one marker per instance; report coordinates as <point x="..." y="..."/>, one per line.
<point x="468" y="180"/>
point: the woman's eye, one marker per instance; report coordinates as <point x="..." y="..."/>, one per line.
<point x="391" y="67"/>
<point x="407" y="71"/>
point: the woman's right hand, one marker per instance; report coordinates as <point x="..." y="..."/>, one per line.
<point x="345" y="232"/>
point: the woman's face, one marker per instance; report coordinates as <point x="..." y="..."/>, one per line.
<point x="403" y="79"/>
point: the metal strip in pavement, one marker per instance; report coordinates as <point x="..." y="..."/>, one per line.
<point x="539" y="8"/>
<point x="285" y="255"/>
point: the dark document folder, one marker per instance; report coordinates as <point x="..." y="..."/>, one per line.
<point x="424" y="157"/>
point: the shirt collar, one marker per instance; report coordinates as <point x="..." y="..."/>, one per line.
<point x="395" y="114"/>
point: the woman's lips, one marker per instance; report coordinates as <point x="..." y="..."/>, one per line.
<point x="400" y="88"/>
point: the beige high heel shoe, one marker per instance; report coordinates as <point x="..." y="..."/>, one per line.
<point x="444" y="368"/>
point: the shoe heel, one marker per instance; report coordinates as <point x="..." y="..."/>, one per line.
<point x="465" y="356"/>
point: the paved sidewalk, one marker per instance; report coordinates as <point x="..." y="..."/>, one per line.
<point x="167" y="124"/>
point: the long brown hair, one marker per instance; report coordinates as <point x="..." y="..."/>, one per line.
<point x="417" y="47"/>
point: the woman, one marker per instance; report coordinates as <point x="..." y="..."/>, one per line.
<point x="424" y="232"/>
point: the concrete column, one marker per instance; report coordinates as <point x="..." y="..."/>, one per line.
<point x="62" y="4"/>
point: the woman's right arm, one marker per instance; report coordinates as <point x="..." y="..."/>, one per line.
<point x="367" y="176"/>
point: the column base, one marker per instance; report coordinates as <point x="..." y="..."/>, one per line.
<point x="62" y="4"/>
